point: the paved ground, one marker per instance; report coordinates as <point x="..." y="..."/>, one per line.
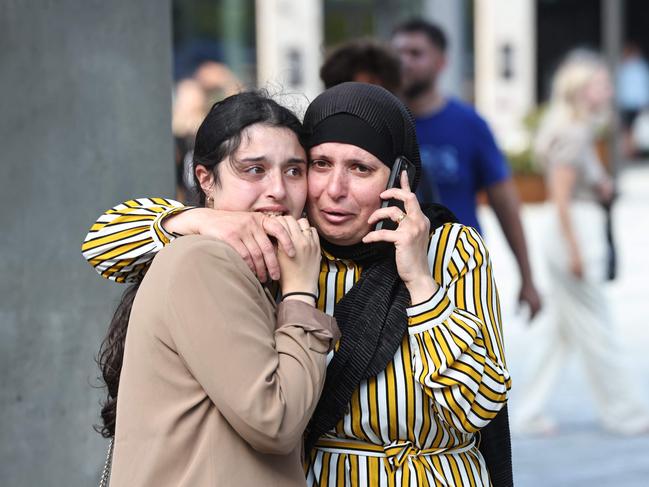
<point x="581" y="454"/>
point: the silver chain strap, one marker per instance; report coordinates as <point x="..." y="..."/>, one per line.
<point x="105" y="474"/>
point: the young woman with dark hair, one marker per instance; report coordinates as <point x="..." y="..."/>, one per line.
<point x="209" y="381"/>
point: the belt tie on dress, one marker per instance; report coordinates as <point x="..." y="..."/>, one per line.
<point x="396" y="452"/>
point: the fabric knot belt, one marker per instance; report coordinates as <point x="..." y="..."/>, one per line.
<point x="396" y="452"/>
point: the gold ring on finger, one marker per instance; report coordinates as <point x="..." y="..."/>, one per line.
<point x="401" y="217"/>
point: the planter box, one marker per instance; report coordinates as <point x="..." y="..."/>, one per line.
<point x="530" y="188"/>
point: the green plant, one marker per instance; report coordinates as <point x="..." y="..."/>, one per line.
<point x="522" y="161"/>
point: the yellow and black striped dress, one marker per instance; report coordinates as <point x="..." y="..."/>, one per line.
<point x="123" y="241"/>
<point x="415" y="423"/>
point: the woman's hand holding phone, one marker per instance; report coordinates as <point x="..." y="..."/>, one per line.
<point x="300" y="273"/>
<point x="410" y="240"/>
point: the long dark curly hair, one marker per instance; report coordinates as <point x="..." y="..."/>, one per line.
<point x="218" y="138"/>
<point x="111" y="355"/>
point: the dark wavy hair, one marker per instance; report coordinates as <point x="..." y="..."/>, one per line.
<point x="348" y="60"/>
<point x="434" y="32"/>
<point x="218" y="138"/>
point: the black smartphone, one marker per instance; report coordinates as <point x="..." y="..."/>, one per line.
<point x="400" y="165"/>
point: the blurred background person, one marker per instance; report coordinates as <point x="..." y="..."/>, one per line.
<point x="190" y="106"/>
<point x="217" y="80"/>
<point x="632" y="92"/>
<point x="212" y="82"/>
<point x="459" y="153"/>
<point x="362" y="60"/>
<point x="576" y="254"/>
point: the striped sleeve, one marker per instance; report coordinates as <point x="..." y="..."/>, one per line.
<point x="456" y="335"/>
<point x="123" y="241"/>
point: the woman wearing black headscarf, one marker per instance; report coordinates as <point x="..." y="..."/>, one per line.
<point x="420" y="368"/>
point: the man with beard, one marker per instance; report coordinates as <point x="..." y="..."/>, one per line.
<point x="458" y="151"/>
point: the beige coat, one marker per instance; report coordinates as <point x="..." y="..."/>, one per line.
<point x="218" y="383"/>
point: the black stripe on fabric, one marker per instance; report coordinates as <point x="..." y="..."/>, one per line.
<point x="485" y="386"/>
<point x="364" y="419"/>
<point x="418" y="315"/>
<point x="471" y="380"/>
<point x="439" y="249"/>
<point x="143" y="230"/>
<point x="475" y="413"/>
<point x="147" y="216"/>
<point x="460" y="391"/>
<point x="142" y="244"/>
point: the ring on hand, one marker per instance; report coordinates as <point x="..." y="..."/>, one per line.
<point x="401" y="217"/>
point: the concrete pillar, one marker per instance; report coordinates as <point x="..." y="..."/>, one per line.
<point x="289" y="49"/>
<point x="450" y="16"/>
<point x="86" y="93"/>
<point x="505" y="67"/>
<point x="613" y="13"/>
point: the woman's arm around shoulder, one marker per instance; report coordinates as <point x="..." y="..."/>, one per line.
<point x="123" y="241"/>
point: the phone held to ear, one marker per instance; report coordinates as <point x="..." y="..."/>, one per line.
<point x="400" y="165"/>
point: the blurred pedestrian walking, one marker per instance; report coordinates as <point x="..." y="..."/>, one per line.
<point x="193" y="97"/>
<point x="576" y="251"/>
<point x="188" y="111"/>
<point x="459" y="154"/>
<point x="633" y="96"/>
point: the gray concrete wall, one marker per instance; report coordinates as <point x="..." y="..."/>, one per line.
<point x="85" y="94"/>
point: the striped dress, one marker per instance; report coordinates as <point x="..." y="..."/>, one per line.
<point x="123" y="241"/>
<point x="415" y="423"/>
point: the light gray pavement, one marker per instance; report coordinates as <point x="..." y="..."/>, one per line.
<point x="581" y="454"/>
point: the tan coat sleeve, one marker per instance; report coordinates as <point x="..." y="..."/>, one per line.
<point x="265" y="378"/>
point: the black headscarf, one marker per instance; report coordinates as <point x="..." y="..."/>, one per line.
<point x="367" y="116"/>
<point x="372" y="315"/>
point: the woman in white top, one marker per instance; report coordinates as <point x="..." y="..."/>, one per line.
<point x="576" y="251"/>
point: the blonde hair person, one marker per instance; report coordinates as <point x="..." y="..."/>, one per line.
<point x="581" y="94"/>
<point x="576" y="251"/>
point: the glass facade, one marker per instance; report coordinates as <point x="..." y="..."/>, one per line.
<point x="224" y="30"/>
<point x="349" y="19"/>
<point x="216" y="30"/>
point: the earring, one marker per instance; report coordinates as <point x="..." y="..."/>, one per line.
<point x="210" y="202"/>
